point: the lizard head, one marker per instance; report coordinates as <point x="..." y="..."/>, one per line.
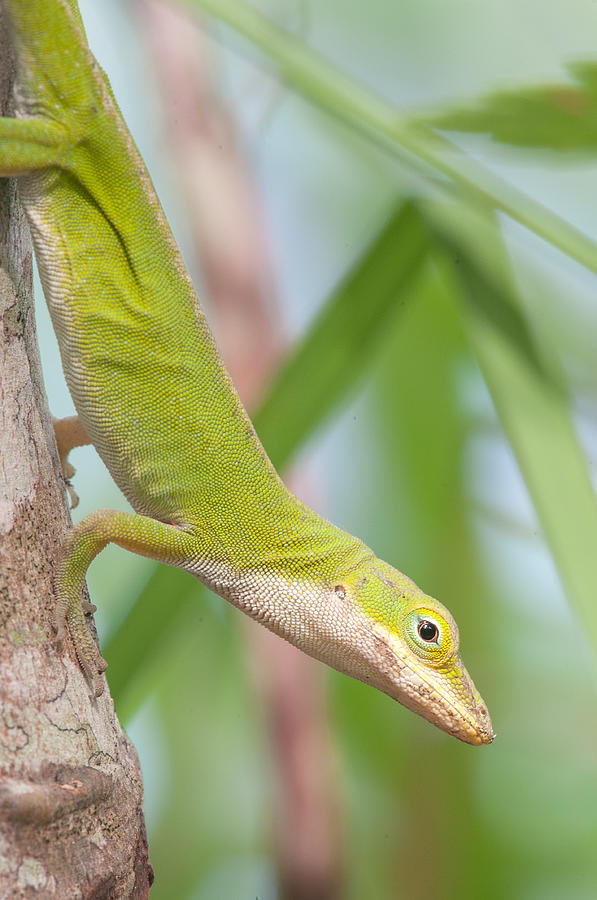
<point x="366" y="619"/>
<point x="412" y="651"/>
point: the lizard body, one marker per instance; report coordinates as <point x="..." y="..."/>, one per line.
<point x="158" y="404"/>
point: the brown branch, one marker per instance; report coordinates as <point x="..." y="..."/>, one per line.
<point x="235" y="262"/>
<point x="71" y="820"/>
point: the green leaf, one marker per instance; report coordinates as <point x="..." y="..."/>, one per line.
<point x="369" y="114"/>
<point x="560" y="117"/>
<point x="343" y="340"/>
<point x="318" y="376"/>
<point x="535" y="414"/>
<point x="148" y="630"/>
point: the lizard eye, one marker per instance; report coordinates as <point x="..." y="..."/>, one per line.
<point x="428" y="631"/>
<point x="429" y="636"/>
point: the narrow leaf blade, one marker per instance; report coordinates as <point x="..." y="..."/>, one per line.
<point x="343" y="340"/>
<point x="560" y="117"/>
<point x="535" y="415"/>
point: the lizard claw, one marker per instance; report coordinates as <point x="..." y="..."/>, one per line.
<point x="90" y="659"/>
<point x="72" y="494"/>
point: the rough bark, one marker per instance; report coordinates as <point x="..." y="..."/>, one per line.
<point x="71" y="818"/>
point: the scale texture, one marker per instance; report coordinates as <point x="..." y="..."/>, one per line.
<point x="156" y="401"/>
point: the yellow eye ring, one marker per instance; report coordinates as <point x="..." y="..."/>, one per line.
<point x="428" y="635"/>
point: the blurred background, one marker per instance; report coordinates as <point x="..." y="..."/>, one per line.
<point x="438" y="397"/>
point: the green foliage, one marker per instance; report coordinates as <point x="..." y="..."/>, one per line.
<point x="405" y="137"/>
<point x="560" y="117"/>
<point x="533" y="409"/>
<point x="344" y="340"/>
<point x="150" y="631"/>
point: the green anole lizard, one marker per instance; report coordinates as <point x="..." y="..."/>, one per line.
<point x="156" y="401"/>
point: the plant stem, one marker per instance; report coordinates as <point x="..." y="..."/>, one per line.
<point x="370" y="114"/>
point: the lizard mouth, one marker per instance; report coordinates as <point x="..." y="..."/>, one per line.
<point x="446" y="698"/>
<point x="453" y="704"/>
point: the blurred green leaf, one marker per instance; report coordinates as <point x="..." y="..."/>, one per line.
<point x="416" y="511"/>
<point x="321" y="372"/>
<point x="559" y="117"/>
<point x="343" y="340"/>
<point x="148" y="629"/>
<point x="411" y="140"/>
<point x="534" y="412"/>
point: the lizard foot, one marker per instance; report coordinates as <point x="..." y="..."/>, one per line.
<point x="90" y="659"/>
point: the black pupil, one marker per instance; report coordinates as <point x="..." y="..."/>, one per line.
<point x="428" y="631"/>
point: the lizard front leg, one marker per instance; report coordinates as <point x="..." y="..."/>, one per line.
<point x="140" y="534"/>
<point x="30" y="144"/>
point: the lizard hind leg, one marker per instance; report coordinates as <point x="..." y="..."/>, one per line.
<point x="143" y="535"/>
<point x="69" y="433"/>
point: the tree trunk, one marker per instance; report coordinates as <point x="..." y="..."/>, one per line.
<point x="71" y="818"/>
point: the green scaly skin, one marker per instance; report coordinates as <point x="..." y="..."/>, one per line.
<point x="159" y="406"/>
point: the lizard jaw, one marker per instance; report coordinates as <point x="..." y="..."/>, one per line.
<point x="331" y="627"/>
<point x="448" y="700"/>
